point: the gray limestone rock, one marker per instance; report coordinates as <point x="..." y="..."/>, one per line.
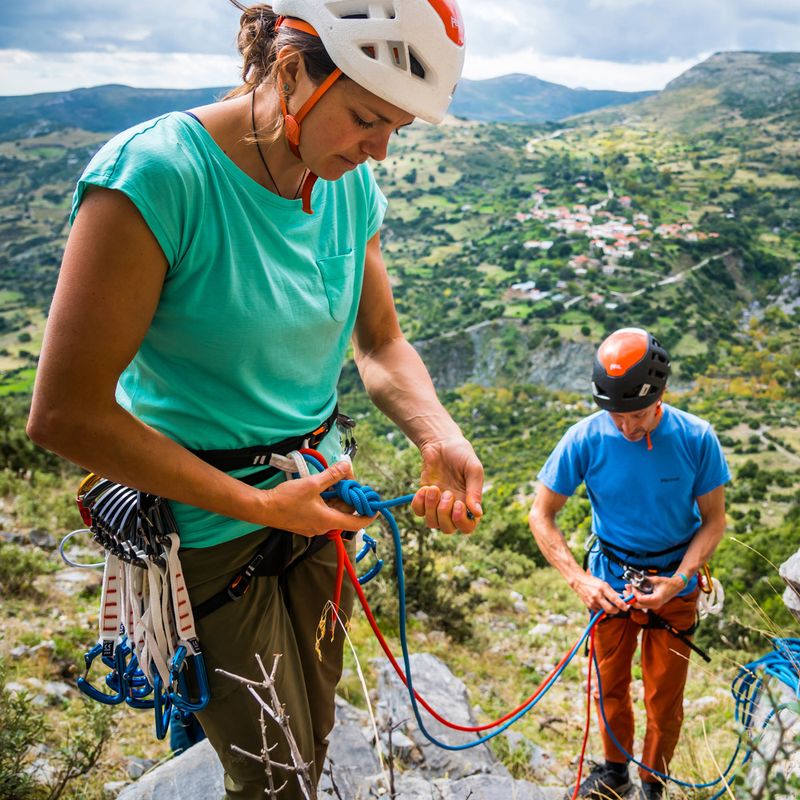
<point x="73" y="581"/>
<point x="112" y="789"/>
<point x="41" y="538"/>
<point x="353" y="766"/>
<point x="350" y="757"/>
<point x="448" y="695"/>
<point x="790" y="572"/>
<point x="193" y="775"/>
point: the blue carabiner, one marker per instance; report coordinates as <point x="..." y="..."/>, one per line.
<point x="114" y="680"/>
<point x="181" y="698"/>
<point x="162" y="706"/>
<point x="137" y="686"/>
<point x="369" y="544"/>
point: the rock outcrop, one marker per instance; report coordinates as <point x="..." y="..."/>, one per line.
<point x="421" y="770"/>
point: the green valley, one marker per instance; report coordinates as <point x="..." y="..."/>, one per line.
<point x="512" y="248"/>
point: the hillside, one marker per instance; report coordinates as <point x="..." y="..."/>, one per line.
<point x="523" y="98"/>
<point x="100" y="108"/>
<point x="512" y="250"/>
<point x="727" y="90"/>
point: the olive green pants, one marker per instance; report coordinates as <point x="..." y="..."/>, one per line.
<point x="274" y="616"/>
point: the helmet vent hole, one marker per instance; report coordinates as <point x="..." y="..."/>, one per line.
<point x="347" y="9"/>
<point x="417" y="67"/>
<point x="398" y="51"/>
<point x="369" y="50"/>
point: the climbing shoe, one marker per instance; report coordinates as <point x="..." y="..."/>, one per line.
<point x="605" y="783"/>
<point x="651" y="791"/>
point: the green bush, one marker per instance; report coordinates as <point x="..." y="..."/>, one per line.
<point x="18" y="567"/>
<point x="21" y="727"/>
<point x="73" y="752"/>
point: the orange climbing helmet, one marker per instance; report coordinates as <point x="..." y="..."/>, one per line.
<point x="630" y="371"/>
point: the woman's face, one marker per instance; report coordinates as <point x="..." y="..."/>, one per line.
<point x="346" y="127"/>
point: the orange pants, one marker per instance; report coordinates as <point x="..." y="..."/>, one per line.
<point x="665" y="663"/>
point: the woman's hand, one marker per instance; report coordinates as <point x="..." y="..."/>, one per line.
<point x="451" y="485"/>
<point x="296" y="505"/>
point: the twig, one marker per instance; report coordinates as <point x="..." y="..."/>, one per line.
<point x="275" y="710"/>
<point x="333" y="781"/>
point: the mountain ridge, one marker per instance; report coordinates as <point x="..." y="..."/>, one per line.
<point x="112" y="107"/>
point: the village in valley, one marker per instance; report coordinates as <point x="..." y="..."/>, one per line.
<point x="611" y="240"/>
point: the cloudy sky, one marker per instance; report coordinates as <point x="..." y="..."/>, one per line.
<point x="53" y="45"/>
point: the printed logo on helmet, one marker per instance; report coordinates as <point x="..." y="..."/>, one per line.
<point x="620" y="351"/>
<point x="450" y="15"/>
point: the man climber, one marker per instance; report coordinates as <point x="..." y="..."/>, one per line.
<point x="654" y="476"/>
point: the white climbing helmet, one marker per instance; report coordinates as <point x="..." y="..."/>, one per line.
<point x="407" y="52"/>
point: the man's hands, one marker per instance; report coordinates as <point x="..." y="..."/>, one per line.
<point x="451" y="485"/>
<point x="664" y="589"/>
<point x="597" y="595"/>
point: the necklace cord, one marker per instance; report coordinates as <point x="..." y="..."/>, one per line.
<point x="261" y="153"/>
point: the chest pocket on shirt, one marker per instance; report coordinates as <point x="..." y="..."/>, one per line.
<point x="337" y="275"/>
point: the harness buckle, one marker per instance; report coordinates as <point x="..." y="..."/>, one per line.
<point x="238" y="587"/>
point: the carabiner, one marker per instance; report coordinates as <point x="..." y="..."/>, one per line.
<point x="181" y="698"/>
<point x="369" y="544"/>
<point x="116" y="682"/>
<point x="137" y="686"/>
<point x="162" y="705"/>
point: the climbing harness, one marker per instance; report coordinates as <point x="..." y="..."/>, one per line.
<point x="147" y="635"/>
<point x="638" y="560"/>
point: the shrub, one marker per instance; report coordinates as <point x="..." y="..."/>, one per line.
<point x="18" y="567"/>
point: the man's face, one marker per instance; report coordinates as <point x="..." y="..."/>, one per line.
<point x="634" y="425"/>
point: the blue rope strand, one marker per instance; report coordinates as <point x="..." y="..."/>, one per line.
<point x="746" y="690"/>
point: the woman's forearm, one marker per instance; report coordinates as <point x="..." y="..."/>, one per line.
<point x="115" y="444"/>
<point x="401" y="387"/>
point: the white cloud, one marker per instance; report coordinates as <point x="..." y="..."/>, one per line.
<point x="23" y="72"/>
<point x="615" y="44"/>
<point x="580" y="72"/>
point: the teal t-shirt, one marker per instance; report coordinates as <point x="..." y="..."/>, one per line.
<point x="259" y="301"/>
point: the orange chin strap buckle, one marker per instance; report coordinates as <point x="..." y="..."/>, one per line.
<point x="292" y="122"/>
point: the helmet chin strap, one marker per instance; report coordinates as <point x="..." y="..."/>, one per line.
<point x="292" y="122"/>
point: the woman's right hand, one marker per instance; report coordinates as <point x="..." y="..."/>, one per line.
<point x="296" y="505"/>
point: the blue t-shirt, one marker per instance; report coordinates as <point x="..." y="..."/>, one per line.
<point x="258" y="303"/>
<point x="642" y="500"/>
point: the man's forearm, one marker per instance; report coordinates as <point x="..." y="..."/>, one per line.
<point x="554" y="547"/>
<point x="705" y="542"/>
<point x="399" y="384"/>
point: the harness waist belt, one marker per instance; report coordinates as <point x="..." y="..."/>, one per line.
<point x="228" y="460"/>
<point x="608" y="551"/>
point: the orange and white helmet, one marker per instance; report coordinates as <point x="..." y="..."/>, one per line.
<point x="407" y="52"/>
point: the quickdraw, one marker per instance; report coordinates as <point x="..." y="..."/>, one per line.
<point x="147" y="635"/>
